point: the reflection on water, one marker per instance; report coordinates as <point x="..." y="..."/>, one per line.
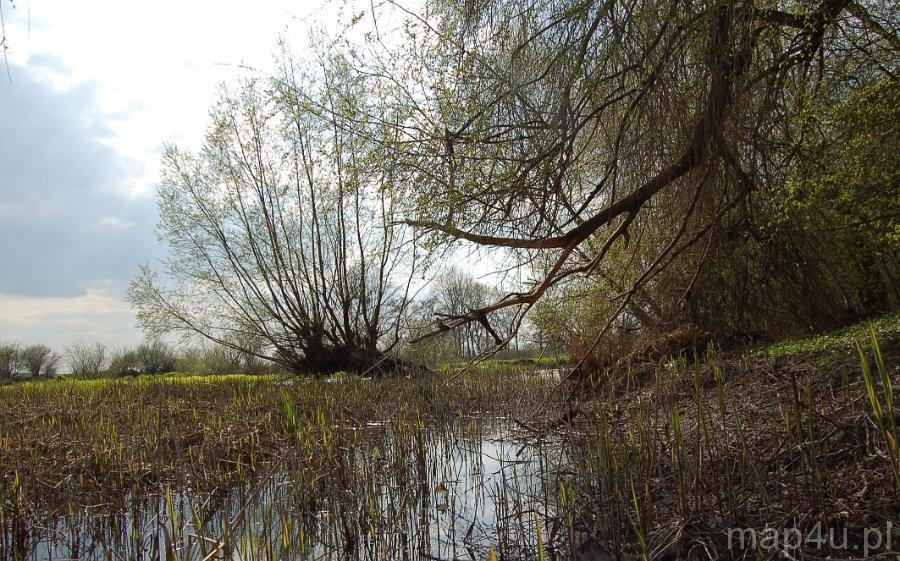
<point x="445" y="492"/>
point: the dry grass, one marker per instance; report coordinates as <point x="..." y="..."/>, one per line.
<point x="659" y="465"/>
<point x="678" y="458"/>
<point x="97" y="440"/>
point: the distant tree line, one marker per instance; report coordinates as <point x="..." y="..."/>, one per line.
<point x="92" y="360"/>
<point x="35" y="361"/>
<point x="453" y="292"/>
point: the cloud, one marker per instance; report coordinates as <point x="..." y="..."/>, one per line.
<point x="97" y="315"/>
<point x="66" y="214"/>
<point x="113" y="222"/>
<point x="48" y="62"/>
<point x="93" y="96"/>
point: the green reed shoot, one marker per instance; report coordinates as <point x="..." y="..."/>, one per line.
<point x="886" y="426"/>
<point x="540" y="538"/>
<point x="638" y="524"/>
<point x="676" y="445"/>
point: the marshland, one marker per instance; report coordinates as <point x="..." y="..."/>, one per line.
<point x="191" y="466"/>
<point x="562" y="280"/>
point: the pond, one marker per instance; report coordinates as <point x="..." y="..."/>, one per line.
<point x="448" y="491"/>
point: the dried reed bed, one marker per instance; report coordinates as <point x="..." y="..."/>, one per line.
<point x="668" y="465"/>
<point x="95" y="441"/>
<point x="660" y="463"/>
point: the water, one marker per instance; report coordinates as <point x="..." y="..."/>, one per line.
<point x="445" y="492"/>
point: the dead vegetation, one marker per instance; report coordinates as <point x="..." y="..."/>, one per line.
<point x="657" y="463"/>
<point x="668" y="460"/>
<point x="94" y="441"/>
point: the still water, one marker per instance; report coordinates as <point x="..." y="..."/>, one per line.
<point x="449" y="492"/>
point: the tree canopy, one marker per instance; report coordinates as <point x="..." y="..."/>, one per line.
<point x="726" y="165"/>
<point x="638" y="144"/>
<point x="281" y="239"/>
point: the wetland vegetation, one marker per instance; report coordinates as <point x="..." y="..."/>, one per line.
<point x="658" y="464"/>
<point x="687" y="335"/>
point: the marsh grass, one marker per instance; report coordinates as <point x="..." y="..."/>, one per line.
<point x="72" y="447"/>
<point x="372" y="498"/>
<point x="272" y="467"/>
<point x="742" y="441"/>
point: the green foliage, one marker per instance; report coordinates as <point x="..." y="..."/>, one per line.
<point x="814" y="246"/>
<point x="844" y="191"/>
<point x="816" y="243"/>
<point x="98" y="386"/>
<point x="836" y="342"/>
<point x="846" y="181"/>
<point x="884" y="414"/>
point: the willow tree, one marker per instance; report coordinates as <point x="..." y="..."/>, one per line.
<point x="564" y="132"/>
<point x="279" y="229"/>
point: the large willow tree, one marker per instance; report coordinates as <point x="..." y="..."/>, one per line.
<point x="281" y="243"/>
<point x="620" y="139"/>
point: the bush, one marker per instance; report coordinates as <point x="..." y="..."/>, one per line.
<point x="124" y="362"/>
<point x="218" y="359"/>
<point x="87" y="360"/>
<point x="155" y="358"/>
<point x="40" y="361"/>
<point x="9" y="360"/>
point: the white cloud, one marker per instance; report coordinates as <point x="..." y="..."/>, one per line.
<point x="113" y="222"/>
<point x="65" y="221"/>
<point x="156" y="65"/>
<point x="97" y="315"/>
<point x="96" y="89"/>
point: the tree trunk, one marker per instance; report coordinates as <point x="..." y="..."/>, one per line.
<point x="356" y="360"/>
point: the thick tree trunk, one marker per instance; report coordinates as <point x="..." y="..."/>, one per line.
<point x="356" y="360"/>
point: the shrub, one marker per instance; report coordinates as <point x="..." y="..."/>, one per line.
<point x="155" y="358"/>
<point x="39" y="361"/>
<point x="9" y="359"/>
<point x="123" y="361"/>
<point x="87" y="360"/>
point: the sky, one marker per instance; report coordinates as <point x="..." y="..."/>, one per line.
<point x="90" y="92"/>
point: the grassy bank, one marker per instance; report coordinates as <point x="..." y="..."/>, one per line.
<point x="770" y="441"/>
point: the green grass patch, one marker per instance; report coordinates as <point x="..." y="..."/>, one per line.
<point x="838" y="343"/>
<point x="508" y="365"/>
<point x="65" y="384"/>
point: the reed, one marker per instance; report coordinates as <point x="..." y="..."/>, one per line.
<point x="86" y="439"/>
<point x="884" y="413"/>
<point x="737" y="441"/>
<point x="200" y="468"/>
